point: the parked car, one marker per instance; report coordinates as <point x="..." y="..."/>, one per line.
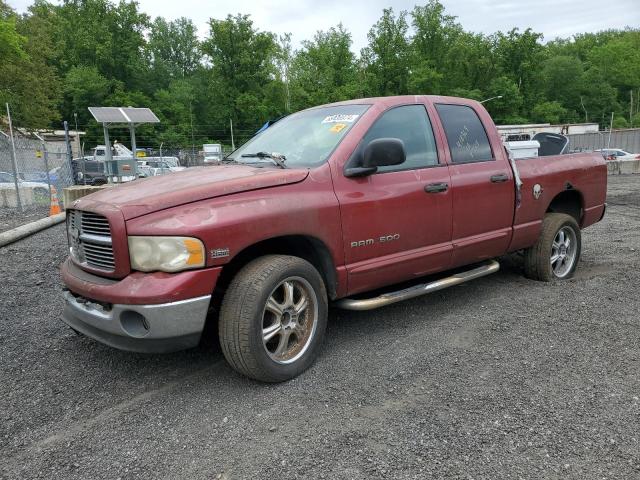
<point x="340" y="204"/>
<point x="158" y="167"/>
<point x="87" y="171"/>
<point x="144" y="171"/>
<point x="40" y="190"/>
<point x="618" y="154"/>
<point x="40" y="177"/>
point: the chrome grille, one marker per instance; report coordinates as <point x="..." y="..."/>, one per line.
<point x="90" y="240"/>
<point x="95" y="224"/>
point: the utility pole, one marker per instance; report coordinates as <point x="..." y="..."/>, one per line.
<point x="46" y="160"/>
<point x="80" y="153"/>
<point x="610" y="128"/>
<point x="69" y="154"/>
<point x="586" y="120"/>
<point x="193" y="143"/>
<point x="15" y="163"/>
<point x="631" y="108"/>
<point x="134" y="147"/>
<point x="233" y="145"/>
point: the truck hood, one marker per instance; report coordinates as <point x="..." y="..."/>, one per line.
<point x="152" y="194"/>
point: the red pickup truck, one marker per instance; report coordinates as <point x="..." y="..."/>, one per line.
<point x="320" y="208"/>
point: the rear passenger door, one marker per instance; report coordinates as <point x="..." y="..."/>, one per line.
<point x="482" y="186"/>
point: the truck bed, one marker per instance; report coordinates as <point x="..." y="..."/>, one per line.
<point x="582" y="174"/>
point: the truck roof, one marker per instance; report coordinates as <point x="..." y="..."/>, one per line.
<point x="400" y="99"/>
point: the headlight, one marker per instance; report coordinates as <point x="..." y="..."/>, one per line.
<point x="167" y="254"/>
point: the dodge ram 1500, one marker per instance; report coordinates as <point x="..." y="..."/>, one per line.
<point x="400" y="196"/>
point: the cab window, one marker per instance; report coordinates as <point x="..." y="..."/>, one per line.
<point x="410" y="124"/>
<point x="466" y="136"/>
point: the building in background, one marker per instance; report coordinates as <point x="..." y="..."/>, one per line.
<point x="527" y="131"/>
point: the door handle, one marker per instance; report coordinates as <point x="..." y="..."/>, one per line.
<point x="502" y="177"/>
<point x="436" y="187"/>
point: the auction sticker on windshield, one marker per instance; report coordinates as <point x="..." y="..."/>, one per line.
<point x="340" y="118"/>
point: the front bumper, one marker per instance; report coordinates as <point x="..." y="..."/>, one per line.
<point x="156" y="328"/>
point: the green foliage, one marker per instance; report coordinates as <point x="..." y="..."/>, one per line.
<point x="599" y="97"/>
<point x="620" y="122"/>
<point x="84" y="87"/>
<point x="386" y="59"/>
<point x="242" y="70"/>
<point x="549" y="112"/>
<point x="11" y="42"/>
<point x="60" y="58"/>
<point x="27" y="81"/>
<point x="510" y="101"/>
<point x="562" y="77"/>
<point x="324" y="70"/>
<point x="173" y="48"/>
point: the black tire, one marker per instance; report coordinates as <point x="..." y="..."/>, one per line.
<point x="538" y="258"/>
<point x="244" y="311"/>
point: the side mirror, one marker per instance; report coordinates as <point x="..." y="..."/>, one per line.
<point x="380" y="152"/>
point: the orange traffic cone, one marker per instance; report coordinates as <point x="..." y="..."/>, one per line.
<point x="55" y="205"/>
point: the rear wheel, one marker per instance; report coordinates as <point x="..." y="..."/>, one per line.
<point x="556" y="253"/>
<point x="273" y="317"/>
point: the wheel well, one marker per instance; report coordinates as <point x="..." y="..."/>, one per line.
<point x="570" y="202"/>
<point x="309" y="248"/>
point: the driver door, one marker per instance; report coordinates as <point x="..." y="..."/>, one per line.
<point x="396" y="223"/>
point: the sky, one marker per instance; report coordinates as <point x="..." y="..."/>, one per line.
<point x="302" y="18"/>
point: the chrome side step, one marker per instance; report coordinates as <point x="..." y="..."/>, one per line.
<point x="418" y="290"/>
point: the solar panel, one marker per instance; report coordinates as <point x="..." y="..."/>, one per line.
<point x="140" y="115"/>
<point x="107" y="114"/>
<point x="123" y="115"/>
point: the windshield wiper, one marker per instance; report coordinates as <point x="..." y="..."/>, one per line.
<point x="277" y="158"/>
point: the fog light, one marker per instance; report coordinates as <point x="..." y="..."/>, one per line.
<point x="134" y="323"/>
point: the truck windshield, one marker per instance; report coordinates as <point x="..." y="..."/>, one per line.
<point x="303" y="139"/>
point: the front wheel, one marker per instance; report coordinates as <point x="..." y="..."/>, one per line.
<point x="556" y="253"/>
<point x="273" y="317"/>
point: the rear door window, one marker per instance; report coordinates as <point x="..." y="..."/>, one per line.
<point x="466" y="136"/>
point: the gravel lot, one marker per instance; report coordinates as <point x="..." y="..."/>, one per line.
<point x="499" y="378"/>
<point x="12" y="218"/>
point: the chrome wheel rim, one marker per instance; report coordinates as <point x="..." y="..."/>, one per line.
<point x="563" y="252"/>
<point x="289" y="320"/>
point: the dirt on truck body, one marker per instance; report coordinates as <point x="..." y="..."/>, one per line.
<point x="323" y="206"/>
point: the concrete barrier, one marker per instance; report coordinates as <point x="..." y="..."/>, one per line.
<point x="16" y="234"/>
<point x="8" y="197"/>
<point x="623" y="167"/>
<point x="70" y="194"/>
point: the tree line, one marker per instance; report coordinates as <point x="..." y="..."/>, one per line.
<point x="58" y="59"/>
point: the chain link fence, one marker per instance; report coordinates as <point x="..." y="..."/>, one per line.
<point x="30" y="171"/>
<point x="33" y="168"/>
<point x="187" y="155"/>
